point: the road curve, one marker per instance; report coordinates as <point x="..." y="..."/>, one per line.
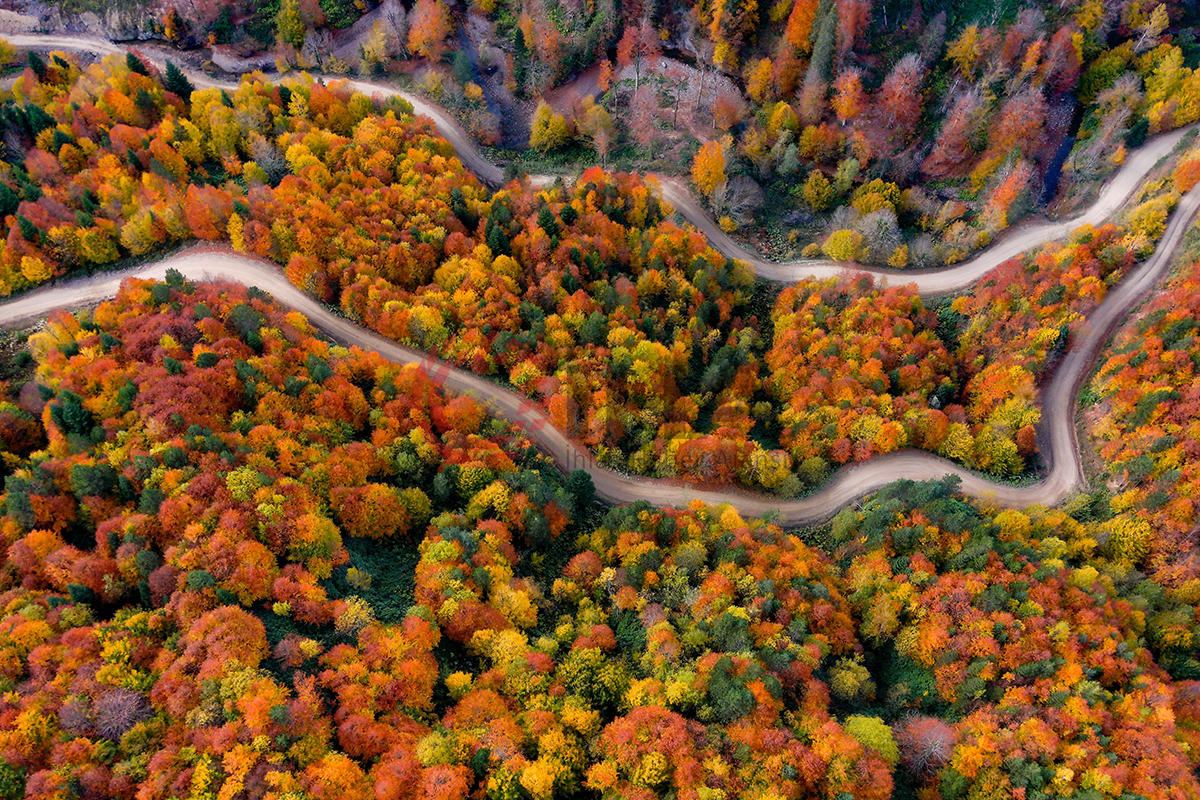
<point x="928" y="282"/>
<point x="952" y="279"/>
<point x="449" y="129"/>
<point x="1060" y="450"/>
<point x="1064" y="476"/>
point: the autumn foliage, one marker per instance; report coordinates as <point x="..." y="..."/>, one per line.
<point x="1143" y="426"/>
<point x="242" y="561"/>
<point x="213" y="615"/>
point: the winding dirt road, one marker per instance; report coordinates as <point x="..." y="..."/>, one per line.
<point x="931" y="282"/>
<point x="953" y="279"/>
<point x="1060" y="449"/>
<point x="450" y="130"/>
<point x="1065" y="473"/>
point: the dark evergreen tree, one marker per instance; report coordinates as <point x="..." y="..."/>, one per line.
<point x="177" y="83"/>
<point x="135" y="64"/>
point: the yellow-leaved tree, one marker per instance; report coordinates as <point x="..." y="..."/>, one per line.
<point x="843" y="245"/>
<point x="708" y="168"/>
<point x="550" y="130"/>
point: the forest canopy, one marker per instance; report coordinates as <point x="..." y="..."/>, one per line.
<point x="240" y="560"/>
<point x="657" y="352"/>
<point x="198" y="599"/>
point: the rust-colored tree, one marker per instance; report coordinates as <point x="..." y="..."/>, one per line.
<point x="429" y="25"/>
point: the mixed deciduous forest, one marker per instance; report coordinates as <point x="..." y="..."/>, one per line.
<point x="1145" y="426"/>
<point x="974" y="113"/>
<point x="240" y="560"/>
<point x="656" y="351"/>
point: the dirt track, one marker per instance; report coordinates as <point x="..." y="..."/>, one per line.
<point x="932" y="282"/>
<point x="1060" y="450"/>
<point x="952" y="279"/>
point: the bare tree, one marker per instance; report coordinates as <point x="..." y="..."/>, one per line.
<point x="740" y="198"/>
<point x="118" y="710"/>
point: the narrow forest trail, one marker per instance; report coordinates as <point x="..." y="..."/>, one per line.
<point x="1064" y="474"/>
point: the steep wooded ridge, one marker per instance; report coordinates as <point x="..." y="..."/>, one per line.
<point x="1063" y="477"/>
<point x="267" y="533"/>
<point x="933" y="282"/>
<point x="1060" y="450"/>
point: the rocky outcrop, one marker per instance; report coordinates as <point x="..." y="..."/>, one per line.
<point x="346" y="43"/>
<point x="230" y="60"/>
<point x="12" y="22"/>
<point x="117" y="21"/>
